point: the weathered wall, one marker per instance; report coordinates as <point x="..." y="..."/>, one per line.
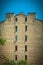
<point x="7" y="32"/>
<point x="34" y="42"/>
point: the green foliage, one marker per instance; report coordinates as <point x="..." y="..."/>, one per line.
<point x="16" y="63"/>
<point x="10" y="63"/>
<point x="2" y="41"/>
<point x="22" y="62"/>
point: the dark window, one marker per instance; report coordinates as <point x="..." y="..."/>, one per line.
<point x="16" y="19"/>
<point x="25" y="57"/>
<point x="26" y="28"/>
<point x="16" y="38"/>
<point x="25" y="48"/>
<point x="25" y="37"/>
<point x="16" y="28"/>
<point x="15" y="57"/>
<point x="15" y="48"/>
<point x="9" y="19"/>
<point x="25" y="18"/>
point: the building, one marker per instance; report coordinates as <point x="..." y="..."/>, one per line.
<point x="23" y="36"/>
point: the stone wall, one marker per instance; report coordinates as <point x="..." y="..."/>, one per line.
<point x="34" y="42"/>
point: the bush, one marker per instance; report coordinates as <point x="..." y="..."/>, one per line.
<point x="22" y="63"/>
<point x="2" y="41"/>
<point x="10" y="63"/>
<point x="16" y="63"/>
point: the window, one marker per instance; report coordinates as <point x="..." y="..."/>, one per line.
<point x="25" y="37"/>
<point x="25" y="48"/>
<point x="26" y="28"/>
<point x="16" y="19"/>
<point x="16" y="28"/>
<point x="15" y="57"/>
<point x="25" y="57"/>
<point x="16" y="38"/>
<point x="9" y="19"/>
<point x="15" y="48"/>
<point x="25" y="18"/>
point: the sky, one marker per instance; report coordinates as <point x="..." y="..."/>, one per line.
<point x="17" y="6"/>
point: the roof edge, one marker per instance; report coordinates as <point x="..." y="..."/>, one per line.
<point x="22" y="14"/>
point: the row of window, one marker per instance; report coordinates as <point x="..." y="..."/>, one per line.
<point x="16" y="57"/>
<point x="16" y="19"/>
<point x="16" y="28"/>
<point x="16" y="38"/>
<point x="16" y="48"/>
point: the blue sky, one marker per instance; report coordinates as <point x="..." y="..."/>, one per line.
<point x="17" y="6"/>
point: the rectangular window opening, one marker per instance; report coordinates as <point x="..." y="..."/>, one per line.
<point x="16" y="28"/>
<point x="16" y="38"/>
<point x="16" y="19"/>
<point x="25" y="48"/>
<point x="26" y="28"/>
<point x="25" y="18"/>
<point x="25" y="37"/>
<point x="16" y="48"/>
<point x="25" y="57"/>
<point x="15" y="57"/>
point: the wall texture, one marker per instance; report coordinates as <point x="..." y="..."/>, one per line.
<point x="34" y="42"/>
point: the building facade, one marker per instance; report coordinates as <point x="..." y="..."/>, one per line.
<point x="24" y="40"/>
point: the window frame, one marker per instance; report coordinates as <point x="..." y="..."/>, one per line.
<point x="16" y="28"/>
<point x="16" y="38"/>
<point x="16" y="48"/>
<point x="26" y="57"/>
<point x="25" y="37"/>
<point x="25" y="48"/>
<point x="16" y="19"/>
<point x="25" y="27"/>
<point x="16" y="58"/>
<point x="25" y="19"/>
